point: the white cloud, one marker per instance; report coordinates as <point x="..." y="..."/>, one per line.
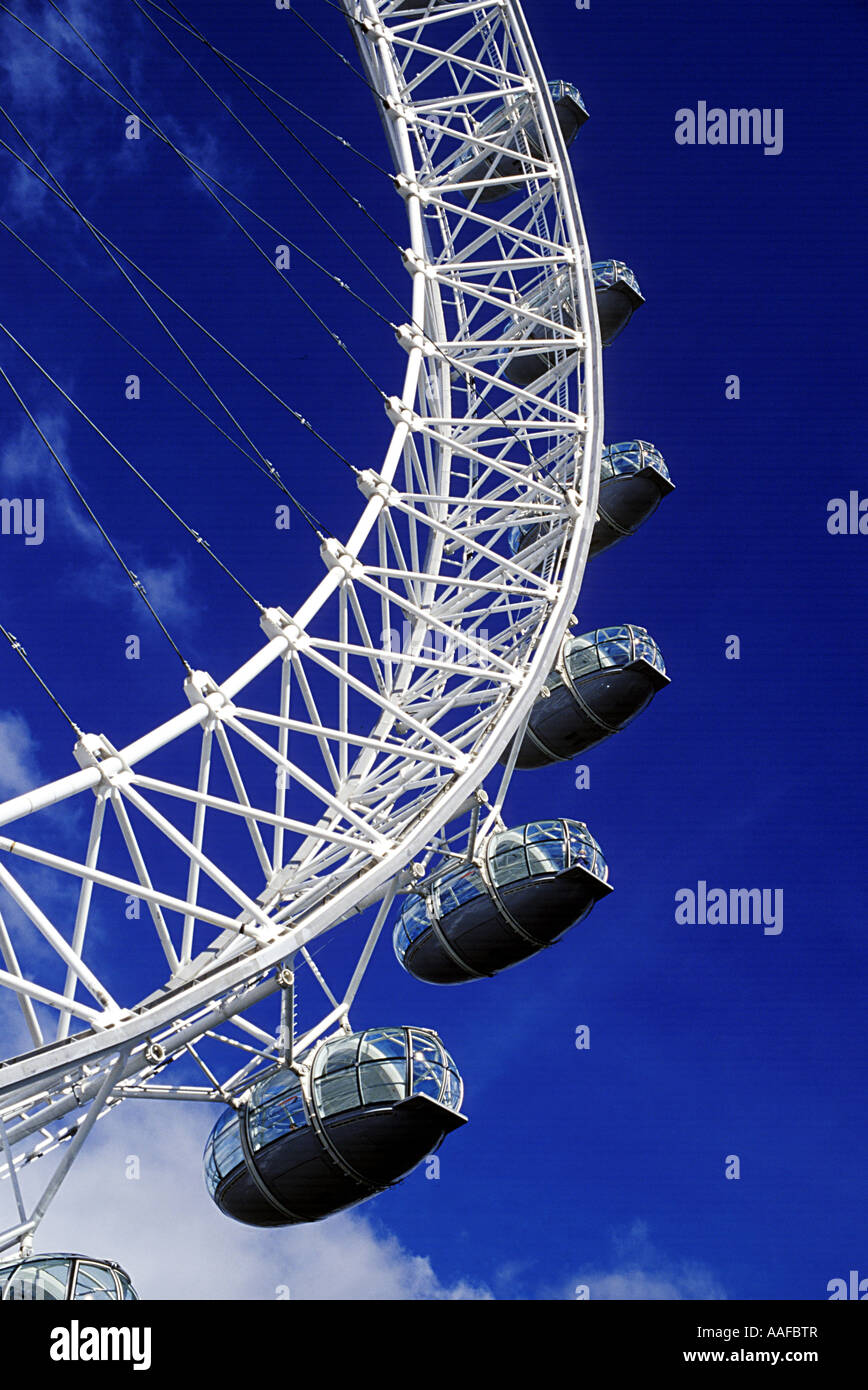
<point x="18" y="766"/>
<point x="169" y="589"/>
<point x="42" y="89"/>
<point x="25" y="459"/>
<point x="27" y="468"/>
<point x="642" y="1273"/>
<point x="175" y="1244"/>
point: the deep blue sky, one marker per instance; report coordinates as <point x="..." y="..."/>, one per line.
<point x="705" y="1041"/>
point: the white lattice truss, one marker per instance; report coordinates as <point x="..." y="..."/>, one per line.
<point x="352" y="747"/>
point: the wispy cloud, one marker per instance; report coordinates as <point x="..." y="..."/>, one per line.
<point x="24" y="459"/>
<point x="169" y="587"/>
<point x="640" y="1272"/>
<point x="28" y="468"/>
<point x="19" y="769"/>
<point x="42" y="90"/>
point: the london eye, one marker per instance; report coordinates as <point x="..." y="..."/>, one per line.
<point x="357" y="763"/>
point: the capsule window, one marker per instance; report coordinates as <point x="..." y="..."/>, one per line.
<point x="434" y="1071"/>
<point x="226" y="1144"/>
<point x="581" y="658"/>
<point x="382" y="1082"/>
<point x="452" y="1090"/>
<point x="543" y="830"/>
<point x="508" y="866"/>
<point x="94" y="1283"/>
<point x="339" y="1055"/>
<point x="444" y="899"/>
<point x="468" y="885"/>
<point x="337" y="1090"/>
<point x="584" y="851"/>
<point x="546" y="858"/>
<point x="615" y="651"/>
<point x="458" y="888"/>
<point x="384" y="1042"/>
<point x="609" y="273"/>
<point x="335" y="1094"/>
<point x="415" y="919"/>
<point x="43" y="1280"/>
<point x="277" y="1106"/>
<point x="427" y="1071"/>
<point x="383" y="1066"/>
<point x="648" y="650"/>
<point x="508" y="839"/>
<point x="631" y="457"/>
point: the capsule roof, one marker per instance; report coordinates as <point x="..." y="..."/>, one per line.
<point x="61" y="1276"/>
<point x="611" y="646"/>
<point x="561" y="90"/>
<point x="617" y="274"/>
<point x="633" y="456"/>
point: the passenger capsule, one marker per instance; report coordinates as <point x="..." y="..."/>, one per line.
<point x="617" y="294"/>
<point x="600" y="683"/>
<point x="58" y="1278"/>
<point x="633" y="482"/>
<point x="366" y="1108"/>
<point x="527" y="887"/>
<point x="505" y="127"/>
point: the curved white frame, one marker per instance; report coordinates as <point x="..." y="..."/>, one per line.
<point x="464" y="297"/>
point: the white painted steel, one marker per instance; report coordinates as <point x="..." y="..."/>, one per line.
<point x="380" y="745"/>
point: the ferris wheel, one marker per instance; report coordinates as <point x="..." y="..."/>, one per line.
<point x="360" y="759"/>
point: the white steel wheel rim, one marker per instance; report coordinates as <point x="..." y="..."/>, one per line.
<point x="101" y="1044"/>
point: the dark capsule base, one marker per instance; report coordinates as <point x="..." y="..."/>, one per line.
<point x="381" y="1144"/>
<point x="481" y="941"/>
<point x="615" y="307"/>
<point x="624" y="503"/>
<point x="561" y="726"/>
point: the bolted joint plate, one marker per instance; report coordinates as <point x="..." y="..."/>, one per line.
<point x="276" y="622"/>
<point x="412" y="338"/>
<point x="95" y="750"/>
<point x="371" y="485"/>
<point x="373" y="27"/>
<point x="399" y="110"/>
<point x="410" y="188"/>
<point x="399" y="413"/>
<point x="200" y="688"/>
<point x="573" y="502"/>
<point x="335" y="557"/>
